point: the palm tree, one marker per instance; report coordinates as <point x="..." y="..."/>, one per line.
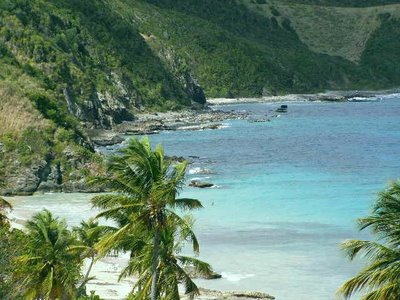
<point x="379" y="280"/>
<point x="4" y="207"/>
<point x="48" y="270"/>
<point x="172" y="265"/>
<point x="89" y="234"/>
<point x="146" y="186"/>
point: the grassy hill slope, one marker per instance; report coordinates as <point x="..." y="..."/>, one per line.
<point x="336" y="31"/>
<point x="242" y="48"/>
<point x="67" y="65"/>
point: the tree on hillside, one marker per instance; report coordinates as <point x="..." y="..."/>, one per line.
<point x="379" y="280"/>
<point x="146" y="185"/>
<point x="4" y="207"/>
<point x="48" y="269"/>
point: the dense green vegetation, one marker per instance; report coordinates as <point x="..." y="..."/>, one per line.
<point x="70" y="65"/>
<point x="381" y="54"/>
<point x="235" y="50"/>
<point x="346" y="3"/>
<point x="138" y="51"/>
<point x="85" y="48"/>
<point x="144" y="203"/>
<point x="45" y="260"/>
<point x="379" y="280"/>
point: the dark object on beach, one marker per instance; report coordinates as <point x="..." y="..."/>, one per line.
<point x="200" y="184"/>
<point x="282" y="109"/>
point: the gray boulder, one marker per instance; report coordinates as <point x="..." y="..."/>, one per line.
<point x="200" y="184"/>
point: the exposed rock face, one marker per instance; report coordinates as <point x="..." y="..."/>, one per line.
<point x="104" y="109"/>
<point x="26" y="180"/>
<point x="186" y="120"/>
<point x="183" y="74"/>
<point x="104" y="137"/>
<point x="48" y="176"/>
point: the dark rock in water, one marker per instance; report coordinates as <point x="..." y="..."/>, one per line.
<point x="206" y="294"/>
<point x="190" y="270"/>
<point x="200" y="184"/>
<point x="178" y="159"/>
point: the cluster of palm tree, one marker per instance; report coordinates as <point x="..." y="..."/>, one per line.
<point x="148" y="223"/>
<point x="144" y="207"/>
<point x="380" y="279"/>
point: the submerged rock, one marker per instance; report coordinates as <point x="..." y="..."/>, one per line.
<point x="200" y="184"/>
<point x="206" y="294"/>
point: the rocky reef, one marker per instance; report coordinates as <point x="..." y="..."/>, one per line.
<point x="73" y="166"/>
<point x="206" y="294"/>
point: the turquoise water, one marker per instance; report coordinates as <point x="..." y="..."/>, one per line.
<point x="288" y="192"/>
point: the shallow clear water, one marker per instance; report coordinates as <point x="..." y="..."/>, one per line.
<point x="288" y="193"/>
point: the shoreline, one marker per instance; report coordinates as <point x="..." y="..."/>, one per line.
<point x="328" y="96"/>
<point x="210" y="118"/>
<point x="154" y="123"/>
<point x="106" y="271"/>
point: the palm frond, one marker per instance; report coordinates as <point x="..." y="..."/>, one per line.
<point x="188" y="203"/>
<point x="379" y="280"/>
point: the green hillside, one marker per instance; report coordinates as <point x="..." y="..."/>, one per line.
<point x="337" y="3"/>
<point x="69" y="65"/>
<point x="243" y="48"/>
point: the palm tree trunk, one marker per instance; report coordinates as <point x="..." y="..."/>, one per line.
<point x="154" y="266"/>
<point x="87" y="273"/>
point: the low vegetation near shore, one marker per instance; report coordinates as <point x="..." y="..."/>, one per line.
<point x="44" y="261"/>
<point x="70" y="66"/>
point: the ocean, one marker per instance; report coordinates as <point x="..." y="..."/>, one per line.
<point x="287" y="192"/>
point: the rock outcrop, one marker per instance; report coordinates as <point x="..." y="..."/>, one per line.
<point x="206" y="294"/>
<point x="191" y="271"/>
<point x="51" y="176"/>
<point x="200" y="184"/>
<point x="179" y="68"/>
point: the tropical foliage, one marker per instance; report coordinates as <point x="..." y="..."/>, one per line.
<point x="379" y="280"/>
<point x="4" y="208"/>
<point x="88" y="234"/>
<point x="47" y="269"/>
<point x="146" y="185"/>
<point x="12" y="244"/>
<point x="99" y="62"/>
